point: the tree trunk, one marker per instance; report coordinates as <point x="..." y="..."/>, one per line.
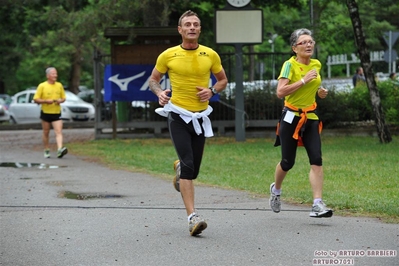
<point x="2" y="87"/>
<point x="76" y="70"/>
<point x="382" y="130"/>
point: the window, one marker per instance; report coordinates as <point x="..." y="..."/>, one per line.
<point x="31" y="98"/>
<point x="21" y="98"/>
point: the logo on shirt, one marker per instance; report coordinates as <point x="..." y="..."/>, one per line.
<point x="203" y="54"/>
<point x="178" y="55"/>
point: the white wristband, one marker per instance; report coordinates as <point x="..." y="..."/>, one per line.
<point x="303" y="81"/>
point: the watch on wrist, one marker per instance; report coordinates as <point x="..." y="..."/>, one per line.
<point x="214" y="91"/>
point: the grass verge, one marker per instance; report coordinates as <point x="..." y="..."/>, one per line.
<point x="361" y="176"/>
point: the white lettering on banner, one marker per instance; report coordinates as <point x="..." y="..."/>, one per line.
<point x="342" y="59"/>
<point x="123" y="83"/>
<point x="377" y="56"/>
<point x="354" y="58"/>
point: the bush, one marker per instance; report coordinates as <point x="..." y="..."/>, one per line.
<point x="355" y="105"/>
<point x="389" y="94"/>
<point x="261" y="103"/>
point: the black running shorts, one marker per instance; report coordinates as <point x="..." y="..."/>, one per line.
<point x="50" y="117"/>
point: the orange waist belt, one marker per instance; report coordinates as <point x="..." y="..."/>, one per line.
<point x="303" y="118"/>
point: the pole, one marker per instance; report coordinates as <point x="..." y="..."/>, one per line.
<point x="390" y="52"/>
<point x="273" y="62"/>
<point x="97" y="92"/>
<point x="240" y="110"/>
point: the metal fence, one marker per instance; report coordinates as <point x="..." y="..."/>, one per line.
<point x="262" y="107"/>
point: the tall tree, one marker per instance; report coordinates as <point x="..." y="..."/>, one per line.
<point x="383" y="131"/>
<point x="12" y="42"/>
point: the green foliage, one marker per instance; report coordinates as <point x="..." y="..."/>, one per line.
<point x="39" y="33"/>
<point x="355" y="105"/>
<point x="389" y="93"/>
<point x="359" y="100"/>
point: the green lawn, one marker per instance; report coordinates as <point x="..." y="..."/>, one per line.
<point x="361" y="175"/>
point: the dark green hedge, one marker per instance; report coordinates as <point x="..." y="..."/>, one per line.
<point x="355" y="105"/>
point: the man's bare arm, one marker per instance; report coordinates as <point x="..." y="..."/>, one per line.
<point x="154" y="84"/>
<point x="155" y="87"/>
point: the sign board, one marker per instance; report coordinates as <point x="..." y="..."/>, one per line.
<point x="390" y="37"/>
<point x="390" y="56"/>
<point x="127" y="83"/>
<point x="239" y="26"/>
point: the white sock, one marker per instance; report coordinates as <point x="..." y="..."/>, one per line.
<point x="191" y="215"/>
<point x="277" y="192"/>
<point x="317" y="200"/>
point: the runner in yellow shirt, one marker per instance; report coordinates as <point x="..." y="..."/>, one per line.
<point x="189" y="67"/>
<point x="50" y="94"/>
<point x="299" y="83"/>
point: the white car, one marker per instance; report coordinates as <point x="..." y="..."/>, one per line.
<point x="4" y="116"/>
<point x="24" y="110"/>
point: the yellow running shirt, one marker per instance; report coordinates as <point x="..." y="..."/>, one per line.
<point x="188" y="69"/>
<point x="47" y="91"/>
<point x="305" y="96"/>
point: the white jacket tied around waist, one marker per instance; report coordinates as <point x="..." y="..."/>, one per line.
<point x="188" y="116"/>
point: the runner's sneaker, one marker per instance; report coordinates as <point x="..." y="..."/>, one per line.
<point x="320" y="210"/>
<point x="46" y="153"/>
<point x="274" y="200"/>
<point x="196" y="225"/>
<point x="61" y="152"/>
<point x="176" y="179"/>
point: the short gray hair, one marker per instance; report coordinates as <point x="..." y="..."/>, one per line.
<point x="188" y="13"/>
<point x="49" y="69"/>
<point x="295" y="35"/>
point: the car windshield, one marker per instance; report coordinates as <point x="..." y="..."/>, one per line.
<point x="70" y="97"/>
<point x="5" y="98"/>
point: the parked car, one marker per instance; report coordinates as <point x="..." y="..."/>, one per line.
<point x="89" y="96"/>
<point x="250" y="86"/>
<point x="7" y="100"/>
<point x="24" y="110"/>
<point x="4" y="115"/>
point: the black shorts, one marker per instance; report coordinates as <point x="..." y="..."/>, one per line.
<point x="310" y="138"/>
<point x="50" y="117"/>
<point x="189" y="146"/>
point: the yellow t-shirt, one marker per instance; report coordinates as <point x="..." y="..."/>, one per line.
<point x="48" y="91"/>
<point x="306" y="95"/>
<point x="188" y="69"/>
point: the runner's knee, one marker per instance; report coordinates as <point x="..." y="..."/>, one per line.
<point x="188" y="171"/>
<point x="316" y="161"/>
<point x="286" y="165"/>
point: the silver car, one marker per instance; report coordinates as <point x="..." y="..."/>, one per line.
<point x="24" y="110"/>
<point x="4" y="116"/>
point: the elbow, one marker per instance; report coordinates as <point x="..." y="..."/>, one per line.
<point x="280" y="95"/>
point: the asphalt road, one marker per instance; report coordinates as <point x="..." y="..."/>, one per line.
<point x="127" y="218"/>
